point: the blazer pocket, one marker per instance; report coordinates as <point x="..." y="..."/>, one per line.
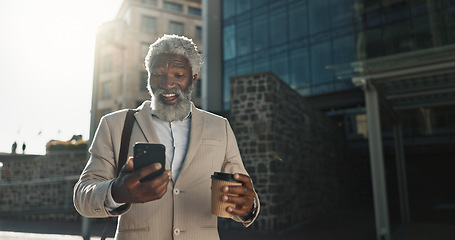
<point x="143" y="229"/>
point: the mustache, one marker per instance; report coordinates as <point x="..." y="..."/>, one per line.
<point x="160" y="91"/>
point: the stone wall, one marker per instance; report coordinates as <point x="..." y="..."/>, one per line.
<point x="292" y="151"/>
<point x="40" y="187"/>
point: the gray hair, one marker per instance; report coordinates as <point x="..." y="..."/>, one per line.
<point x="178" y="45"/>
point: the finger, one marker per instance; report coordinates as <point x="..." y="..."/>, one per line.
<point x="156" y="195"/>
<point x="156" y="188"/>
<point x="161" y="186"/>
<point x="239" y="190"/>
<point x="157" y="182"/>
<point x="243" y="178"/>
<point x="240" y="200"/>
<point x="143" y="172"/>
<point x="238" y="211"/>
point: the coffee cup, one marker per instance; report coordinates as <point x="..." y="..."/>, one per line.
<point x="220" y="180"/>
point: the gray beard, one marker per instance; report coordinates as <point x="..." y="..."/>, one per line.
<point x="174" y="112"/>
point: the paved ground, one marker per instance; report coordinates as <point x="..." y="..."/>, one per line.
<point x="359" y="227"/>
<point x="39" y="236"/>
<point x="346" y="226"/>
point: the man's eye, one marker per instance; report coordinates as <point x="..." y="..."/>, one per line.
<point x="178" y="75"/>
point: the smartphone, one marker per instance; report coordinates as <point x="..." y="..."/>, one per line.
<point x="146" y="154"/>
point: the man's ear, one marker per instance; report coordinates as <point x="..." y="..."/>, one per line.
<point x="194" y="78"/>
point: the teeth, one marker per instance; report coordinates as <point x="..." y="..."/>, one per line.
<point x="169" y="95"/>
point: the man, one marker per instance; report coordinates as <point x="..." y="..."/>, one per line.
<point x="175" y="204"/>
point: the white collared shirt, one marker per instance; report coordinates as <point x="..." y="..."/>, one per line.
<point x="175" y="137"/>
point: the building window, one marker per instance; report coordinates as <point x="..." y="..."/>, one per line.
<point x="229" y="47"/>
<point x="278" y="27"/>
<point x="195" y="11"/>
<point x="300" y="75"/>
<point x="198" y="33"/>
<point x="148" y="24"/>
<point x="176" y="28"/>
<point x="107" y="64"/>
<point x="298" y="20"/>
<point x="243" y="38"/>
<point x="149" y="2"/>
<point x="144" y="50"/>
<point x="260" y="33"/>
<point x="319" y="16"/>
<point x="173" y="6"/>
<point x="106" y="94"/>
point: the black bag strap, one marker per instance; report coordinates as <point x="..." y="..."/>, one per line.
<point x="124" y="145"/>
<point x="126" y="136"/>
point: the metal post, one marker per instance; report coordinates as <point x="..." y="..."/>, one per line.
<point x="401" y="173"/>
<point x="86" y="228"/>
<point x="377" y="163"/>
<point x="212" y="79"/>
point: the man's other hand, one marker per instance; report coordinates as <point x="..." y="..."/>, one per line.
<point x="245" y="200"/>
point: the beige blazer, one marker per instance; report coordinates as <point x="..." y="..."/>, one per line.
<point x="184" y="211"/>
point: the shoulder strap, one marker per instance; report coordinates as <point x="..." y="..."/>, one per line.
<point x="126" y="136"/>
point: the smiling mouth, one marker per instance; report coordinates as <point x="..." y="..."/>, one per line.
<point x="169" y="97"/>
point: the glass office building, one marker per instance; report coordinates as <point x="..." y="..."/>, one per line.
<point x="319" y="46"/>
<point x="299" y="40"/>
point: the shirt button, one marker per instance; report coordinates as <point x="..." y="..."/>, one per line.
<point x="177" y="231"/>
<point x="176" y="191"/>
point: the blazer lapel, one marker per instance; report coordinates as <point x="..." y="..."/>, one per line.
<point x="196" y="130"/>
<point x="145" y="122"/>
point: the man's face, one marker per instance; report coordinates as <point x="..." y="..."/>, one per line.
<point x="170" y="76"/>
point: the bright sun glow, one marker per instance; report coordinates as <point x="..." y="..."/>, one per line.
<point x="46" y="69"/>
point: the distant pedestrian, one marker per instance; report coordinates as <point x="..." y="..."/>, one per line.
<point x="23" y="148"/>
<point x="13" y="148"/>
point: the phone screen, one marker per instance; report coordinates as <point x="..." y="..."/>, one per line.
<point x="146" y="154"/>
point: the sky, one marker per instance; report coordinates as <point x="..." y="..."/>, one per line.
<point x="46" y="69"/>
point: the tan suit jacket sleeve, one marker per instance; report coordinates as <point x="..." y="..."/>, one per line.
<point x="234" y="164"/>
<point x="91" y="189"/>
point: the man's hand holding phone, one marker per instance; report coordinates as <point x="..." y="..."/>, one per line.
<point x="130" y="185"/>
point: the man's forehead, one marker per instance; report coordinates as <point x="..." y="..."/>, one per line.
<point x="170" y="59"/>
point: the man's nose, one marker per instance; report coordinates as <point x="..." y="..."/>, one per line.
<point x="167" y="82"/>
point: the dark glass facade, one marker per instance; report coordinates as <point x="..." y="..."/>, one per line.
<point x="299" y="39"/>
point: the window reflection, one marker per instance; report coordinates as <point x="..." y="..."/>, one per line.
<point x="244" y="38"/>
<point x="320" y="58"/>
<point x="278" y="27"/>
<point x="280" y="66"/>
<point x="229" y="42"/>
<point x="300" y="68"/>
<point x="298" y="23"/>
<point x="319" y="16"/>
<point x="260" y="33"/>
